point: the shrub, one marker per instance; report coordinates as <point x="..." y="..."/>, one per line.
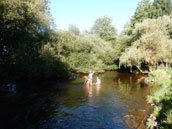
<point x="159" y="75"/>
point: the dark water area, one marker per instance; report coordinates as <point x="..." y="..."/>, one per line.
<point x="119" y="103"/>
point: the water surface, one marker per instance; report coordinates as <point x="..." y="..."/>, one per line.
<point x="119" y="103"/>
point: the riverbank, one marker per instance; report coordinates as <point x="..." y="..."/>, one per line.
<point x="161" y="101"/>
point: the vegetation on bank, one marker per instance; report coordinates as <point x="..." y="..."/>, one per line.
<point x="31" y="49"/>
<point x="150" y="45"/>
<point x="24" y="30"/>
<point x="83" y="52"/>
<point x="161" y="100"/>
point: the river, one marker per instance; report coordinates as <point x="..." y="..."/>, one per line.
<point x="119" y="103"/>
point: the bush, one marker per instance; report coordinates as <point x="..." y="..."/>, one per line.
<point x="159" y="75"/>
<point x="83" y="52"/>
<point x="162" y="99"/>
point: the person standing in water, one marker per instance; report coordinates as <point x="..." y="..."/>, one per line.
<point x="98" y="81"/>
<point x="91" y="78"/>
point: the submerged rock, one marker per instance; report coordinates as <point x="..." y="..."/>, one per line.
<point x="144" y="81"/>
<point x="73" y="77"/>
<point x="10" y="87"/>
<point x="131" y="122"/>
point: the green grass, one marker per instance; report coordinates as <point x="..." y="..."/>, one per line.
<point x="159" y="76"/>
<point x="162" y="99"/>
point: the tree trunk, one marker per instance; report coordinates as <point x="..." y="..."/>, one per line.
<point x="150" y="68"/>
<point x="130" y="69"/>
<point x="119" y="66"/>
<point x="166" y="66"/>
<point x="141" y="70"/>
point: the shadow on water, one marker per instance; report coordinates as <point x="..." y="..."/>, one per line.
<point x="119" y="103"/>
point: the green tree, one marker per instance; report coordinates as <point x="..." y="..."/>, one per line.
<point x="150" y="46"/>
<point x="83" y="52"/>
<point x="74" y="29"/>
<point x="161" y="7"/>
<point x="104" y="28"/>
<point x="24" y="29"/>
<point x="23" y="24"/>
<point x="146" y="9"/>
<point x="143" y="11"/>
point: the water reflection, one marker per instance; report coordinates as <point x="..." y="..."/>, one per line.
<point x="98" y="87"/>
<point x="119" y="102"/>
<point x="88" y="91"/>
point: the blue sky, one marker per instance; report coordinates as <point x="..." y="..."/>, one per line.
<point x="83" y="13"/>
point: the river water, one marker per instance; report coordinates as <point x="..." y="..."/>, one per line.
<point x="119" y="103"/>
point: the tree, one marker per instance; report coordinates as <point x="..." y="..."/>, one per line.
<point x="104" y="28"/>
<point x="161" y="7"/>
<point x="74" y="29"/>
<point x="143" y="11"/>
<point x="151" y="44"/>
<point x="24" y="29"/>
<point x="23" y="24"/>
<point x="146" y="10"/>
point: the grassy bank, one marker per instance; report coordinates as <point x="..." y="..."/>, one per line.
<point x="161" y="100"/>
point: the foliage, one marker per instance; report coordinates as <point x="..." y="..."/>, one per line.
<point x="29" y="46"/>
<point x="83" y="52"/>
<point x="120" y="44"/>
<point x="146" y="9"/>
<point x="104" y="28"/>
<point x="150" y="44"/>
<point x="74" y="29"/>
<point x="142" y="12"/>
<point x="24" y="28"/>
<point x="162" y="99"/>
<point x="52" y="66"/>
<point x="161" y="8"/>
<point x="159" y="75"/>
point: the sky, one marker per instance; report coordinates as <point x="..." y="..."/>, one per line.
<point x="83" y="13"/>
